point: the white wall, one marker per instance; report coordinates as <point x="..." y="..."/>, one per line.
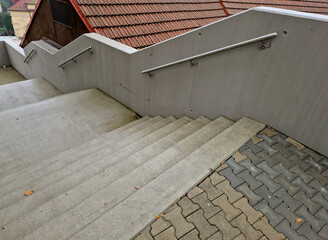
<point x="283" y="86"/>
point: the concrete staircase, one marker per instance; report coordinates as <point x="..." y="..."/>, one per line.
<point x="96" y="173"/>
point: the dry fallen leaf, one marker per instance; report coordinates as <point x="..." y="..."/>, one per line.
<point x="221" y="163"/>
<point x="29" y="192"/>
<point x="158" y="216"/>
<point x="137" y="187"/>
<point x="298" y="220"/>
<point x="260" y="218"/>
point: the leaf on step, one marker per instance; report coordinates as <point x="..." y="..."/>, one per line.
<point x="221" y="163"/>
<point x="138" y="187"/>
<point x="158" y="216"/>
<point x="298" y="220"/>
<point x="29" y="192"/>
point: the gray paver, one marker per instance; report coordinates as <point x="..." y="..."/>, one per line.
<point x="304" y="165"/>
<point x="205" y="229"/>
<point x="187" y="206"/>
<point x="290" y="233"/>
<point x="321" y="200"/>
<point x="282" y="150"/>
<point x="233" y="179"/>
<point x="318" y="166"/>
<point x="254" y="148"/>
<point x="253" y="157"/>
<point x="205" y="204"/>
<point x="301" y="155"/>
<point x="244" y="226"/>
<point x="179" y="223"/>
<point x="193" y="235"/>
<point x="269" y="141"/>
<point x="194" y="192"/>
<point x="320" y="177"/>
<point x="252" y="182"/>
<point x="317" y="185"/>
<point x="251" y="196"/>
<point x="311" y="205"/>
<point x="309" y="191"/>
<point x="274" y="218"/>
<point x="287" y="162"/>
<point x="168" y="234"/>
<point x="270" y="150"/>
<point x="324" y="232"/>
<point x="307" y="231"/>
<point x="322" y="214"/>
<point x="281" y="139"/>
<point x="315" y="223"/>
<point x="251" y="167"/>
<point x="291" y="202"/>
<point x="216" y="178"/>
<point x="251" y="214"/>
<point x="268" y="196"/>
<point x="236" y="167"/>
<point x="229" y="210"/>
<point x="291" y="188"/>
<point x="284" y="171"/>
<point x="317" y="157"/>
<point x="159" y="226"/>
<point x="263" y="177"/>
<point x="264" y="226"/>
<point x="287" y="213"/>
<point x="269" y="159"/>
<point x="232" y="194"/>
<point x="299" y="172"/>
<point x="210" y="189"/>
<point x="227" y="230"/>
<point x="269" y="170"/>
<point x="145" y="235"/>
<point x="216" y="236"/>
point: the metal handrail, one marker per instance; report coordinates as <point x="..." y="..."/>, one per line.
<point x="29" y="56"/>
<point x="76" y="55"/>
<point x="261" y="38"/>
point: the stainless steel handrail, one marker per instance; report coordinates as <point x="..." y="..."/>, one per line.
<point x="29" y="56"/>
<point x="257" y="39"/>
<point x="76" y="55"/>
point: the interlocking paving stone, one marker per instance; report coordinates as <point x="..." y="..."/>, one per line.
<point x="295" y="143"/>
<point x="243" y="148"/>
<point x="283" y="210"/>
<point x="205" y="204"/>
<point x="279" y="138"/>
<point x="320" y="177"/>
<point x="322" y="214"/>
<point x="315" y="223"/>
<point x="309" y="191"/>
<point x="251" y="214"/>
<point x="257" y="139"/>
<point x="291" y="202"/>
<point x="205" y="229"/>
<point x="210" y="189"/>
<point x="216" y="236"/>
<point x="229" y="210"/>
<point x="314" y="164"/>
<point x="284" y="151"/>
<point x="317" y="185"/>
<point x="193" y="235"/>
<point x="233" y="179"/>
<point x="252" y="197"/>
<point x="269" y="159"/>
<point x="145" y="235"/>
<point x="241" y="223"/>
<point x="287" y="162"/>
<point x="216" y="178"/>
<point x="313" y="154"/>
<point x="187" y="206"/>
<point x="239" y="157"/>
<point x="236" y="167"/>
<point x="284" y="171"/>
<point x="321" y="200"/>
<point x="307" y="231"/>
<point x="194" y="192"/>
<point x="270" y="150"/>
<point x="253" y="157"/>
<point x="324" y="162"/>
<point x="159" y="226"/>
<point x="301" y="155"/>
<point x="167" y="234"/>
<point x="252" y="182"/>
<point x="232" y="194"/>
<point x="240" y="237"/>
<point x="268" y="196"/>
<point x="227" y="230"/>
<point x="272" y="186"/>
<point x="264" y="226"/>
<point x="291" y="188"/>
<point x="311" y="205"/>
<point x="325" y="173"/>
<point x="170" y="208"/>
<point x="269" y="141"/>
<point x="299" y="172"/>
<point x="269" y="170"/>
<point x="269" y="132"/>
<point x="274" y="218"/>
<point x="304" y="165"/>
<point x="254" y="148"/>
<point x="290" y="233"/>
<point x="324" y="232"/>
<point x="251" y="167"/>
<point x="179" y="223"/>
<point x="265" y="238"/>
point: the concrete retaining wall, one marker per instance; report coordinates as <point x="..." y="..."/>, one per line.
<point x="283" y="86"/>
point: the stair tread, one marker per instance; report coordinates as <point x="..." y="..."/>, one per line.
<point x="25" y="92"/>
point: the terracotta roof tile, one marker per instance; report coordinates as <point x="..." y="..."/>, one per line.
<point x="20" y="5"/>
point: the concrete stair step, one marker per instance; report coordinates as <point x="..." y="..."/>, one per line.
<point x="46" y="166"/>
<point x="40" y="130"/>
<point x="129" y="216"/>
<point x="54" y="183"/>
<point x="25" y="92"/>
<point x="140" y="167"/>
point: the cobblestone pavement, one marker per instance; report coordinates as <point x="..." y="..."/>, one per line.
<point x="272" y="188"/>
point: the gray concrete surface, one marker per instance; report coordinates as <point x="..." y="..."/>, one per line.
<point x="25" y="92"/>
<point x="40" y="130"/>
<point x="283" y="86"/>
<point x="9" y="75"/>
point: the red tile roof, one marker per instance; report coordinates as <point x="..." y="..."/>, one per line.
<point x="20" y="5"/>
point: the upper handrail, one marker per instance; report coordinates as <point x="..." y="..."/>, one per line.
<point x="261" y="38"/>
<point x="29" y="56"/>
<point x="76" y="55"/>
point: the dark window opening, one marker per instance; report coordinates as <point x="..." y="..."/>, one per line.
<point x="60" y="12"/>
